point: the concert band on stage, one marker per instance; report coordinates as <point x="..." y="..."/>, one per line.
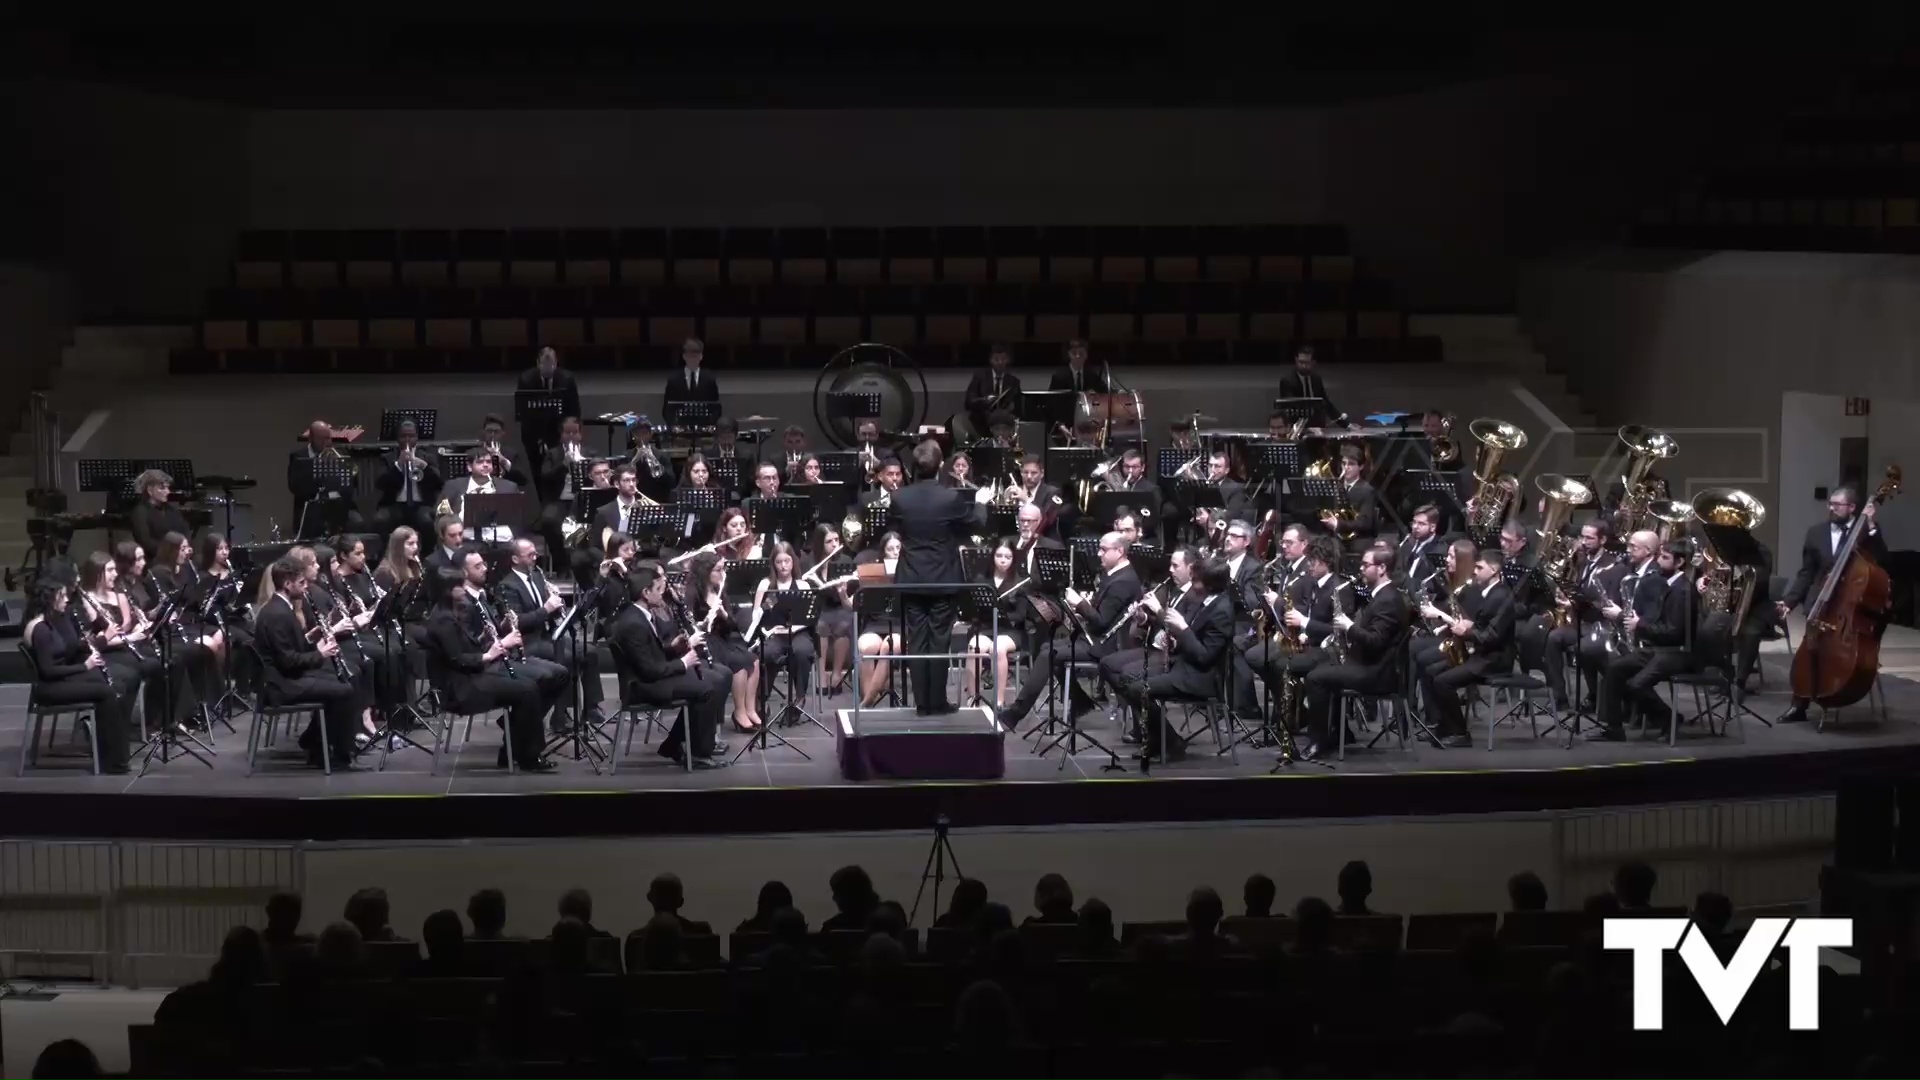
<point x="1275" y="588"/>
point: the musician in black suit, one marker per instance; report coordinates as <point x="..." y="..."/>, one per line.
<point x="1423" y="535"/>
<point x="689" y="382"/>
<point x="1075" y="376"/>
<point x="933" y="521"/>
<point x="480" y="480"/>
<point x="1304" y="381"/>
<point x="71" y="672"/>
<point x="1659" y="630"/>
<point x="297" y="670"/>
<point x="662" y="667"/>
<point x="409" y="485"/>
<point x="1201" y="644"/>
<point x="1375" y="638"/>
<point x="993" y="389"/>
<point x="1148" y="647"/>
<point x="546" y="377"/>
<point x="451" y="545"/>
<point x="1244" y="575"/>
<point x="1598" y="577"/>
<point x="1233" y="492"/>
<point x="1486" y="625"/>
<point x="727" y="446"/>
<point x="470" y="656"/>
<point x="1361" y="500"/>
<point x="525" y="591"/>
<point x="1086" y="639"/>
<point x="153" y="517"/>
<point x="1532" y="594"/>
<point x="1305" y="616"/>
<point x="312" y="481"/>
<point x="1817" y="553"/>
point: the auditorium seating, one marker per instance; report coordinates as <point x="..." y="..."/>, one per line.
<point x="1844" y="177"/>
<point x="371" y="301"/>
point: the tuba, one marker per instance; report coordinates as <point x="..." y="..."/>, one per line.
<point x="1729" y="588"/>
<point x="1673" y="515"/>
<point x="1558" y="560"/>
<point x="1644" y="447"/>
<point x="1493" y="489"/>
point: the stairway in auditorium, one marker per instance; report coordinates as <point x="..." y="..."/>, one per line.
<point x="1487" y="348"/>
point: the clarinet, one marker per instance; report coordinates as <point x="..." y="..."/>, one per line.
<point x="684" y="619"/>
<point x="352" y="635"/>
<point x="320" y="631"/>
<point x="493" y="637"/>
<point x="74" y="617"/>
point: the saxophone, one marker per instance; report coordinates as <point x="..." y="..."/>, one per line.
<point x="1336" y="642"/>
<point x="1456" y="650"/>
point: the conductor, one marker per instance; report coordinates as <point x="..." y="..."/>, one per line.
<point x="932" y="520"/>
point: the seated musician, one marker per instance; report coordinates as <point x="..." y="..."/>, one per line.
<point x="1300" y="621"/>
<point x="1099" y="616"/>
<point x="556" y="483"/>
<point x="1233" y="492"/>
<point x="1355" y="517"/>
<point x="190" y="662"/>
<point x="766" y="485"/>
<point x="958" y="473"/>
<point x="493" y="443"/>
<point x="302" y="664"/>
<point x="887" y="482"/>
<point x="733" y="538"/>
<point x="1133" y="474"/>
<point x="698" y="477"/>
<point x="728" y="447"/>
<point x="174" y="574"/>
<point x="1003" y="575"/>
<point x="1485" y="625"/>
<point x="793" y="453"/>
<point x="313" y="480"/>
<point x="227" y="614"/>
<point x="1180" y="436"/>
<point x="1817" y="551"/>
<point x="1305" y="381"/>
<point x="783" y="646"/>
<point x="1003" y="429"/>
<point x="400" y="568"/>
<point x="713" y="613"/>
<point x="1423" y="534"/>
<point x="870" y="451"/>
<point x="1145" y="651"/>
<point x="609" y="577"/>
<point x="650" y="461"/>
<point x="662" y="666"/>
<point x="1598" y="577"/>
<point x="1607" y="636"/>
<point x="1243" y="577"/>
<point x="536" y="608"/>
<point x="617" y="516"/>
<point x="1532" y="594"/>
<point x="451" y="545"/>
<point x="470" y="660"/>
<point x="153" y="517"/>
<point x="539" y="433"/>
<point x="1374" y="638"/>
<point x="348" y="603"/>
<point x="70" y="671"/>
<point x="835" y="626"/>
<point x="1199" y="647"/>
<point x="879" y="634"/>
<point x="810" y="470"/>
<point x="1279" y="428"/>
<point x="480" y="480"/>
<point x="409" y="484"/>
<point x="1659" y="629"/>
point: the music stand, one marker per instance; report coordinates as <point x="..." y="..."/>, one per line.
<point x="1197" y="495"/>
<point x="783" y="515"/>
<point x="696" y="506"/>
<point x="829" y="500"/>
<point x="991" y="463"/>
<point x="1002" y="521"/>
<point x="1441" y="487"/>
<point x="588" y="501"/>
<point x="507" y="509"/>
<point x="651" y="522"/>
<point x="333" y="482"/>
<point x="1052" y="577"/>
<point x="390" y="620"/>
<point x="165" y="742"/>
<point x="743" y="575"/>
<point x="1105" y="506"/>
<point x="1322" y="491"/>
<point x="977" y="605"/>
<point x="874" y="520"/>
<point x="976" y="563"/>
<point x="1071" y="464"/>
<point x="1296" y="409"/>
<point x="1278" y="462"/>
<point x="876" y="601"/>
<point x="690" y="414"/>
<point x="725" y="472"/>
<point x="1150" y="561"/>
<point x="1084" y="555"/>
<point x="797" y="609"/>
<point x="425" y="422"/>
<point x="584" y="738"/>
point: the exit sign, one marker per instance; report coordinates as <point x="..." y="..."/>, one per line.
<point x="1859" y="406"/>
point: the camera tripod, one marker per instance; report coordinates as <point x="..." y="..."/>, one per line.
<point x="938" y="856"/>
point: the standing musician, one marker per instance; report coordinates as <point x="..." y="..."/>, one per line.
<point x="933" y="521"/>
<point x="1361" y="502"/>
<point x="310" y="486"/>
<point x="1200" y="643"/>
<point x="546" y="376"/>
<point x="1409" y="558"/>
<point x="661" y="666"/>
<point x="536" y="607"/>
<point x="1118" y="588"/>
<point x="1374" y="637"/>
<point x="789" y="648"/>
<point x="1485" y="625"/>
<point x="1659" y="629"/>
<point x="493" y="435"/>
<point x="1147" y="649"/>
<point x="689" y="382"/>
<point x="469" y="659"/>
<point x="1598" y="578"/>
<point x="1075" y="376"/>
<point x="1304" y="381"/>
<point x="992" y="390"/>
<point x="299" y="669"/>
<point x="70" y="671"/>
<point x="409" y="484"/>
<point x="153" y="517"/>
<point x="1816" y="560"/>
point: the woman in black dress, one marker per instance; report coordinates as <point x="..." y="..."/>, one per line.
<point x="707" y="602"/>
<point x="835" y="626"/>
<point x="191" y="664"/>
<point x="879" y="634"/>
<point x="1002" y="576"/>
<point x="72" y="672"/>
<point x="791" y="647"/>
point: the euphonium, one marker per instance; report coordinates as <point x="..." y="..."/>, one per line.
<point x="1189" y="470"/>
<point x="1729" y="588"/>
<point x="1493" y="489"/>
<point x="1645" y="446"/>
<point x="1558" y="560"/>
<point x="1674" y="517"/>
<point x="1442" y="451"/>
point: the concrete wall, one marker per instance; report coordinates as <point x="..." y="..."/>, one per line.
<point x="1670" y="339"/>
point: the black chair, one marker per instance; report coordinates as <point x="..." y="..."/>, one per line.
<point x="40" y="713"/>
<point x="1516" y="689"/>
<point x="631" y="713"/>
<point x="1400" y="698"/>
<point x="264" y="717"/>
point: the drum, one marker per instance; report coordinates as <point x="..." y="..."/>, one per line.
<point x="1123" y="409"/>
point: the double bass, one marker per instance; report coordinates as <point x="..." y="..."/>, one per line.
<point x="1839" y="654"/>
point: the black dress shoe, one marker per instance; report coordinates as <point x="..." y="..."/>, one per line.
<point x="1132" y="737"/>
<point x="1309" y="751"/>
<point x="1795" y="715"/>
<point x="1456" y="742"/>
<point x="120" y="769"/>
<point x="705" y="763"/>
<point x="539" y="765"/>
<point x="1005" y="718"/>
<point x="1606" y="734"/>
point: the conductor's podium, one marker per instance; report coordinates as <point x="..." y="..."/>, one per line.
<point x="898" y="744"/>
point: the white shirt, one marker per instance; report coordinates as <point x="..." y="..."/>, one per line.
<point x="1233" y="566"/>
<point x="408" y="493"/>
<point x="693" y="377"/>
<point x="538" y="593"/>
